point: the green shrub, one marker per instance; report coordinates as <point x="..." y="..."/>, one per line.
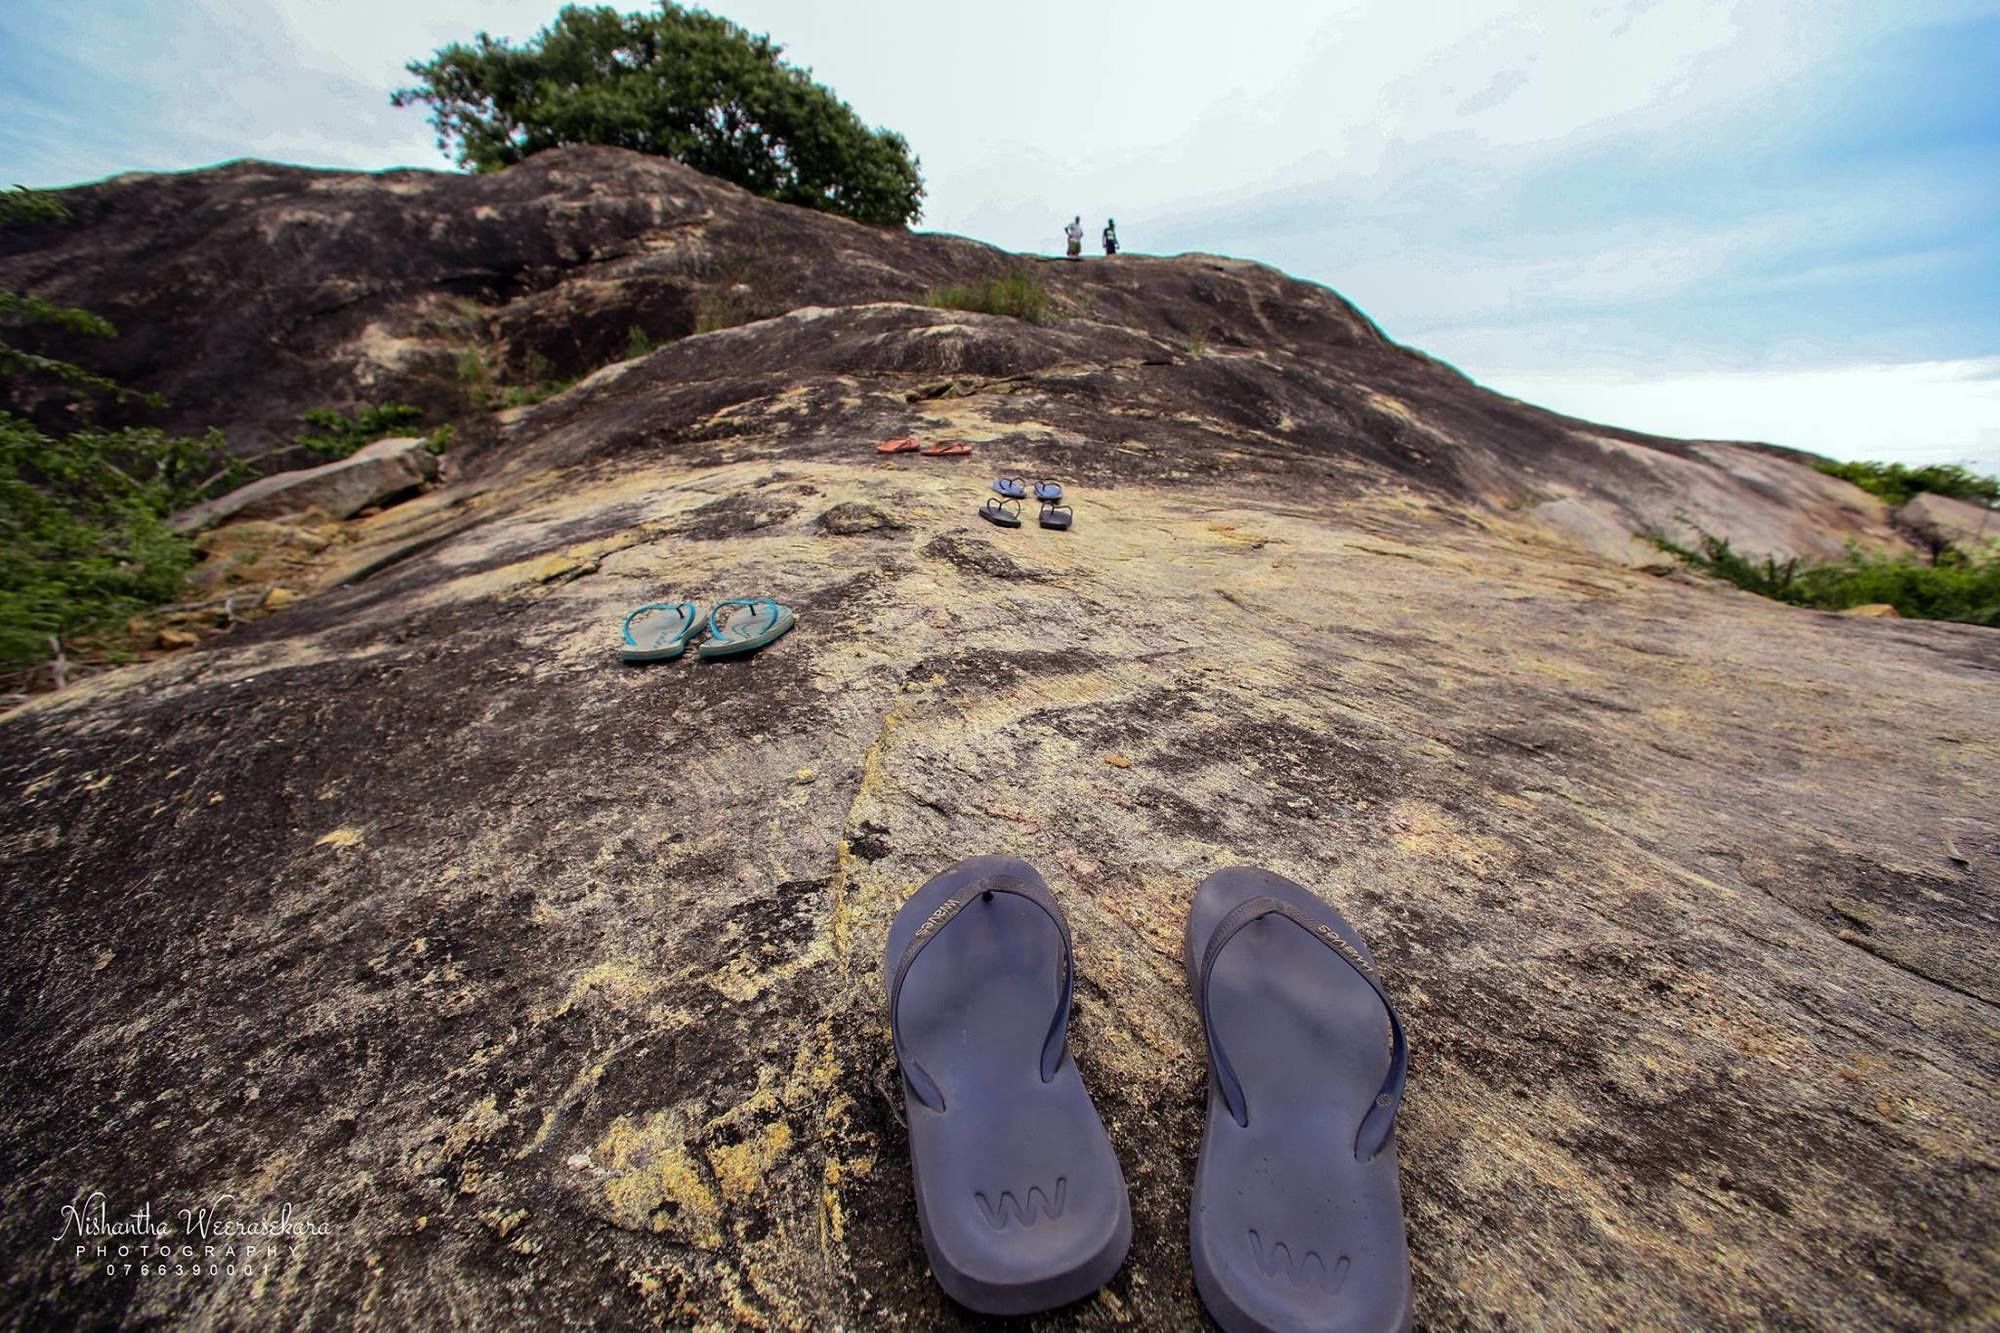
<point x="1957" y="587"/>
<point x="24" y="206"/>
<point x="1018" y="293"/>
<point x="637" y="343"/>
<point x="1714" y="556"/>
<point x="84" y="541"/>
<point x="334" y="435"/>
<point x="1895" y="483"/>
<point x="723" y="310"/>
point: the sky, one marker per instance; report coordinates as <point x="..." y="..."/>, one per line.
<point x="1769" y="220"/>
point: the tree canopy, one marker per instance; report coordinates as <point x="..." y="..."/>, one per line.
<point x="678" y="83"/>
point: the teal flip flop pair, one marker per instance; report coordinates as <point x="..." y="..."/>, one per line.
<point x="659" y="631"/>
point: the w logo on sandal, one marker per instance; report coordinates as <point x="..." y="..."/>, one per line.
<point x="1011" y="1209"/>
<point x="1310" y="1268"/>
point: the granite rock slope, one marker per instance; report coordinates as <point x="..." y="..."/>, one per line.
<point x="251" y="293"/>
<point x="550" y="987"/>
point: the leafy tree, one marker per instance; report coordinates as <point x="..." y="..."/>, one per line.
<point x="680" y="83"/>
<point x="22" y="206"/>
<point x="84" y="540"/>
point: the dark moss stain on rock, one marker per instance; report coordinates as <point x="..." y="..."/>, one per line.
<point x="977" y="557"/>
<point x="733" y="516"/>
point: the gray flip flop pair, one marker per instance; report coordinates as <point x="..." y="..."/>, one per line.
<point x="660" y="631"/>
<point x="1297" y="1219"/>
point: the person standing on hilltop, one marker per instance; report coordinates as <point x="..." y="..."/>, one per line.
<point x="1074" y="231"/>
<point x="1110" y="237"/>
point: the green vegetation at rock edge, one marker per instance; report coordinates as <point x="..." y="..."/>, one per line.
<point x="1960" y="586"/>
<point x="84" y="539"/>
<point x="1897" y="483"/>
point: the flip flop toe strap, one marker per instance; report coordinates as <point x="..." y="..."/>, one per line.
<point x="1381" y="1118"/>
<point x="1053" y="1045"/>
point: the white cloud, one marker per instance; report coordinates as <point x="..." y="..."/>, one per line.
<point x="1498" y="181"/>
<point x="1921" y="412"/>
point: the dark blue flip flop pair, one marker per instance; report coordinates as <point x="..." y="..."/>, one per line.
<point x="1006" y="511"/>
<point x="1297" y="1218"/>
<point x="1014" y="488"/>
<point x="660" y="631"/>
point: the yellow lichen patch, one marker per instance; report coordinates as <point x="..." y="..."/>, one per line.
<point x="503" y="1223"/>
<point x="1390" y="407"/>
<point x="740" y="1168"/>
<point x="655" y="1182"/>
<point x="1422" y="829"/>
<point x="476" y="1126"/>
<point x="1235" y="536"/>
<point x="340" y="837"/>
<point x="562" y="564"/>
<point x="832" y="1217"/>
<point x="740" y="981"/>
<point x="617" y="985"/>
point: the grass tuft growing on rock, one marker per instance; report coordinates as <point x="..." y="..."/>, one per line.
<point x="1018" y="293"/>
<point x="1957" y="587"/>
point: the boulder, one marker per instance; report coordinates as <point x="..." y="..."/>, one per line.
<point x="340" y="489"/>
<point x="1940" y="518"/>
<point x="1879" y="610"/>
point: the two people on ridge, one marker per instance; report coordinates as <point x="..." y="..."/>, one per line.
<point x="1073" y="233"/>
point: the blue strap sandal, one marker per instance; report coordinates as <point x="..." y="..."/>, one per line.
<point x="1012" y="488"/>
<point x="760" y="622"/>
<point x="1048" y="492"/>
<point x="664" y="632"/>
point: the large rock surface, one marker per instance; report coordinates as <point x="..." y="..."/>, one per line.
<point x="251" y="293"/>
<point x="552" y="987"/>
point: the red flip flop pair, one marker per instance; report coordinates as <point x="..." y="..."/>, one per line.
<point x="906" y="444"/>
